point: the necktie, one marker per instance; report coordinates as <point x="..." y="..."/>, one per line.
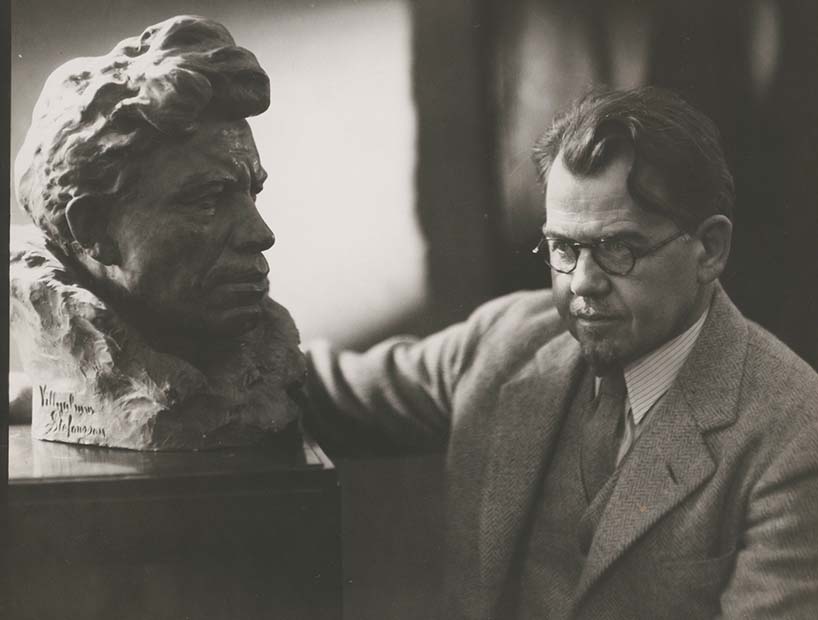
<point x="599" y="433"/>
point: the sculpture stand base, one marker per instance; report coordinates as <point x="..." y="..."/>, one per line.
<point x="105" y="533"/>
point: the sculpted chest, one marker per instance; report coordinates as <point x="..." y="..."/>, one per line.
<point x="95" y="380"/>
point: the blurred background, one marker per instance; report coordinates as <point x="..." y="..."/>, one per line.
<point x="402" y="193"/>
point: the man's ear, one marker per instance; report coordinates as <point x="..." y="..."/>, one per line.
<point x="88" y="222"/>
<point x="715" y="234"/>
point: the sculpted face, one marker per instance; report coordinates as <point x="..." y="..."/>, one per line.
<point x="188" y="245"/>
<point x="616" y="319"/>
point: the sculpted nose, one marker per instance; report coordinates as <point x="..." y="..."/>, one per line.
<point x="588" y="279"/>
<point x="251" y="234"/>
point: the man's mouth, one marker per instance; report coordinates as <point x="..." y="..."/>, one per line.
<point x="596" y="325"/>
<point x="580" y="310"/>
<point x="589" y="318"/>
<point x="595" y="318"/>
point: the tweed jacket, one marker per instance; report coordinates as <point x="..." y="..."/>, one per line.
<point x="713" y="513"/>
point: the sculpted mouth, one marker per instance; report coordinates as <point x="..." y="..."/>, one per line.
<point x="238" y="286"/>
<point x="253" y="270"/>
<point x="247" y="277"/>
<point x="240" y="289"/>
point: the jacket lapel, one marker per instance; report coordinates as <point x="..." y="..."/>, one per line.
<point x="530" y="409"/>
<point x="672" y="459"/>
<point x="665" y="465"/>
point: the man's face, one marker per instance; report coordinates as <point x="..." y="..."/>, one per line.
<point x="617" y="319"/>
<point x="190" y="241"/>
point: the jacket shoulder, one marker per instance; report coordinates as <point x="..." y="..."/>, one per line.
<point x="523" y="313"/>
<point x="777" y="378"/>
<point x="508" y="331"/>
<point x="777" y="404"/>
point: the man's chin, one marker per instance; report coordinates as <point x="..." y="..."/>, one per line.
<point x="602" y="357"/>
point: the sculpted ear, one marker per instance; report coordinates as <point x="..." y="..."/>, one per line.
<point x="715" y="234"/>
<point x="88" y="223"/>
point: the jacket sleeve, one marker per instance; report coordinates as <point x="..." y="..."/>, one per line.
<point x="398" y="396"/>
<point x="776" y="572"/>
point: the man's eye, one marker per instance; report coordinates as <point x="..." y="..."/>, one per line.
<point x="560" y="246"/>
<point x="616" y="246"/>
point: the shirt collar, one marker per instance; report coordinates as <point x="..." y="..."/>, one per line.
<point x="649" y="377"/>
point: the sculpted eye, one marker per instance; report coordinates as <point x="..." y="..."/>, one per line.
<point x="207" y="202"/>
<point x="204" y="200"/>
<point x="203" y="205"/>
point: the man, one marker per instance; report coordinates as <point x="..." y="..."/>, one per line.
<point x="627" y="444"/>
<point x="144" y="288"/>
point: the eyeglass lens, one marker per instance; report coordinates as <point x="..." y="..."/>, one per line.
<point x="611" y="255"/>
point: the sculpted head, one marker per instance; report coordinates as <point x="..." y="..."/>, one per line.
<point x="645" y="172"/>
<point x="141" y="171"/>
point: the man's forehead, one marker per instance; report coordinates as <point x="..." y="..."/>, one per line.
<point x="588" y="203"/>
<point x="588" y="227"/>
<point x="609" y="182"/>
<point x="595" y="205"/>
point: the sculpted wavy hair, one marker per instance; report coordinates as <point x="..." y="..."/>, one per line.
<point x="671" y="141"/>
<point x="96" y="116"/>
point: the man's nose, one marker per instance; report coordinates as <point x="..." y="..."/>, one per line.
<point x="588" y="279"/>
<point x="250" y="232"/>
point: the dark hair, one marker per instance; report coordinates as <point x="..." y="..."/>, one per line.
<point x="96" y="115"/>
<point x="668" y="138"/>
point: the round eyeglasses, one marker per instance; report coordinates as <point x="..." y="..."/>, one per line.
<point x="613" y="255"/>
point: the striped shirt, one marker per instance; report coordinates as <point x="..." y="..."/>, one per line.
<point x="648" y="378"/>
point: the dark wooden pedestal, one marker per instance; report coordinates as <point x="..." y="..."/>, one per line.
<point x="98" y="533"/>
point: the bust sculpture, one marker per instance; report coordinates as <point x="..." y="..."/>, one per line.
<point x="140" y="299"/>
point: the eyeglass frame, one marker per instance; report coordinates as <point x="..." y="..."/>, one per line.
<point x="576" y="246"/>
